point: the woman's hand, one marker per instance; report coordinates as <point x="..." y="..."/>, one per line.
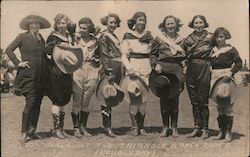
<point x="158" y="68"/>
<point x="24" y="64"/>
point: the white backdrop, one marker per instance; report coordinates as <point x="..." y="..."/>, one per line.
<point x="231" y="14"/>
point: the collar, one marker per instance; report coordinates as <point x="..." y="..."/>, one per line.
<point x="217" y="52"/>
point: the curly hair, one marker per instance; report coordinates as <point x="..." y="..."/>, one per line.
<point x="203" y="18"/>
<point x="162" y="25"/>
<point x="218" y="31"/>
<point x="89" y="23"/>
<point x="131" y="22"/>
<point x="104" y="20"/>
<point x="58" y="18"/>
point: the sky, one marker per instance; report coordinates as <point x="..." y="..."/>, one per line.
<point x="231" y="14"/>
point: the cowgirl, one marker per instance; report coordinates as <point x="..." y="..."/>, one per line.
<point x="223" y="57"/>
<point x="136" y="47"/>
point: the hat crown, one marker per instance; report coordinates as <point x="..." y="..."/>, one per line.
<point x="134" y="88"/>
<point x="69" y="58"/>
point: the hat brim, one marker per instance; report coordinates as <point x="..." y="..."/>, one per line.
<point x="170" y="91"/>
<point x="214" y="90"/>
<point x="111" y="101"/>
<point x="24" y="23"/>
<point x="143" y="87"/>
<point x="65" y="68"/>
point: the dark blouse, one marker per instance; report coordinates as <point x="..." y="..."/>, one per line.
<point x="198" y="47"/>
<point x="60" y="84"/>
<point x="110" y="55"/>
<point x="227" y="59"/>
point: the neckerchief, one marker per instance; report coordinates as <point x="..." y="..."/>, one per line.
<point x="173" y="45"/>
<point x="88" y="48"/>
<point x="113" y="38"/>
<point x="217" y="51"/>
<point x="145" y="37"/>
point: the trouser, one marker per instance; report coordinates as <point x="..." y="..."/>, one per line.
<point x="31" y="110"/>
<point x="169" y="110"/>
<point x="198" y="78"/>
<point x="201" y="116"/>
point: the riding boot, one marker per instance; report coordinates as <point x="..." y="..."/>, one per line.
<point x="106" y="119"/>
<point x="165" y="121"/>
<point x="57" y="132"/>
<point x="33" y="125"/>
<point x="229" y="125"/>
<point x="62" y="115"/>
<point x="221" y="125"/>
<point x="83" y="123"/>
<point x="135" y="128"/>
<point x="141" y="118"/>
<point x="25" y="127"/>
<point x="75" y="119"/>
<point x="174" y="119"/>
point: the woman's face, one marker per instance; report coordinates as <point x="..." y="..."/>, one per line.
<point x="111" y="24"/>
<point x="62" y="26"/>
<point x="199" y="25"/>
<point x="170" y="25"/>
<point x="83" y="29"/>
<point x="34" y="26"/>
<point x="140" y="24"/>
<point x="220" y="40"/>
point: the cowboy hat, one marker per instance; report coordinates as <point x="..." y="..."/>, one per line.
<point x="107" y="93"/>
<point x="162" y="85"/>
<point x="68" y="59"/>
<point x="134" y="87"/>
<point x="223" y="91"/>
<point x="24" y="24"/>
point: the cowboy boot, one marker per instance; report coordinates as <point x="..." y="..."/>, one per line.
<point x="61" y="118"/>
<point x="196" y="114"/>
<point x="83" y="123"/>
<point x="165" y="121"/>
<point x="75" y="119"/>
<point x="141" y="118"/>
<point x="33" y="125"/>
<point x="221" y="125"/>
<point x="135" y="128"/>
<point x="106" y="119"/>
<point x="25" y="126"/>
<point x="56" y="131"/>
<point x="228" y="136"/>
<point x="174" y="119"/>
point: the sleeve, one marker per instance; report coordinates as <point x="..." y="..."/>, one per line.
<point x="125" y="53"/>
<point x="237" y="62"/>
<point x="104" y="54"/>
<point x="11" y="48"/>
<point x="154" y="54"/>
<point x="50" y="44"/>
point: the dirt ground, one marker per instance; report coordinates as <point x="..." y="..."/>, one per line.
<point x="124" y="144"/>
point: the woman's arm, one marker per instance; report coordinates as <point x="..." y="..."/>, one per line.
<point x="11" y="48"/>
<point x="237" y="62"/>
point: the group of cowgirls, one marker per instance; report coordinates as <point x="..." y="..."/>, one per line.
<point x="71" y="63"/>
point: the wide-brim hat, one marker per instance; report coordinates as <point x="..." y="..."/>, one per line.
<point x="24" y="23"/>
<point x="164" y="85"/>
<point x="133" y="87"/>
<point x="69" y="59"/>
<point x="224" y="91"/>
<point x="107" y="93"/>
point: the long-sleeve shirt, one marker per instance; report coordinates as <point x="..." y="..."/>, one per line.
<point x="228" y="59"/>
<point x="198" y="47"/>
